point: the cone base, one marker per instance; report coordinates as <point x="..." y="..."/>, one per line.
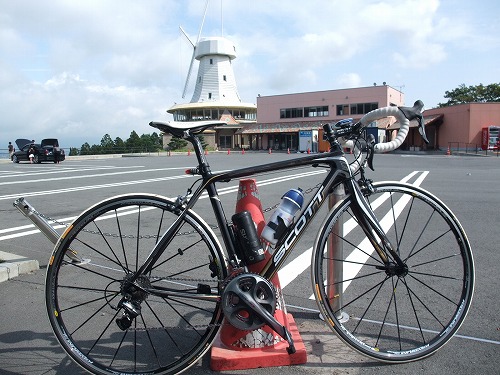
<point x="225" y="359"/>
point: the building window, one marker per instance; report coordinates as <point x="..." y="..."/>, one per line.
<point x="362" y="108"/>
<point x="211" y="61"/>
<point x="316" y="111"/>
<point x="224" y="78"/>
<point x="291" y="112"/>
<point x="209" y="95"/>
<point x="343" y="110"/>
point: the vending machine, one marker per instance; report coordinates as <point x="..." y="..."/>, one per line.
<point x="490" y="137"/>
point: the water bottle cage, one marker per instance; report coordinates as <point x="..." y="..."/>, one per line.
<point x="279" y="229"/>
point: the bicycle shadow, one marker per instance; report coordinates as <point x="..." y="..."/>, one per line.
<point x="29" y="352"/>
<point x="324" y="348"/>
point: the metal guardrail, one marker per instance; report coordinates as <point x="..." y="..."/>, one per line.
<point x="471" y="149"/>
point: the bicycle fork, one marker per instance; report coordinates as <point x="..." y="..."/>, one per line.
<point x="374" y="232"/>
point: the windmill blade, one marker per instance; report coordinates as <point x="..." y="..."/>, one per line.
<point x="189" y="74"/>
<point x="194" y="49"/>
<point x="187" y="37"/>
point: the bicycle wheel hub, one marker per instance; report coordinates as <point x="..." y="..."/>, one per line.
<point x="243" y="295"/>
<point x="135" y="290"/>
<point x="393" y="269"/>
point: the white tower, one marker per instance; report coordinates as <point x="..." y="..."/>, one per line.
<point x="215" y="95"/>
<point x="215" y="79"/>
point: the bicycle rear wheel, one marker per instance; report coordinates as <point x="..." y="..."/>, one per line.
<point x="387" y="316"/>
<point x="88" y="277"/>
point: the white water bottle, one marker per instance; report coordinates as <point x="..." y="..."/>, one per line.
<point x="283" y="216"/>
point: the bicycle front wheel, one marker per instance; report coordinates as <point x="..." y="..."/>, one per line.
<point x="389" y="315"/>
<point x="109" y="325"/>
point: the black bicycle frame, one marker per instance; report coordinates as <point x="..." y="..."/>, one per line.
<point x="339" y="172"/>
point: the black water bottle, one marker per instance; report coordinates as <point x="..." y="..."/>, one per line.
<point x="247" y="237"/>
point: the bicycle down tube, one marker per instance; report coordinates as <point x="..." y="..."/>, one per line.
<point x="339" y="173"/>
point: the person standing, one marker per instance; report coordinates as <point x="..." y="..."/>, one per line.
<point x="57" y="155"/>
<point x="11" y="150"/>
<point x="31" y="153"/>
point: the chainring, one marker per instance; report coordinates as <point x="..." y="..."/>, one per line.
<point x="253" y="287"/>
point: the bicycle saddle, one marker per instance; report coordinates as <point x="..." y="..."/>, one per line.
<point x="177" y="128"/>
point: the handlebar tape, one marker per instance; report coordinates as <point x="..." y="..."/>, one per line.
<point x="402" y="114"/>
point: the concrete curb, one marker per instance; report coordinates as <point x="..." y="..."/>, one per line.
<point x="14" y="265"/>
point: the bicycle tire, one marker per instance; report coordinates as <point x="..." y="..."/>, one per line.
<point x="111" y="240"/>
<point x="388" y="317"/>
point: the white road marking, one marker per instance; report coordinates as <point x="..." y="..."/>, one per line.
<point x="298" y="265"/>
<point x="29" y="229"/>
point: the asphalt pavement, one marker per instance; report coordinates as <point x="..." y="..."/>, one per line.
<point x="468" y="185"/>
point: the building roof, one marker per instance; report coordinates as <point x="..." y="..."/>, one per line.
<point x="428" y="120"/>
<point x="280" y="127"/>
<point x="211" y="105"/>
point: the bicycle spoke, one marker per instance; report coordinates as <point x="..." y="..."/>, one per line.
<point x="369" y="305"/>
<point x="397" y="311"/>
<point x="90" y="247"/>
<point x="146" y="332"/>
<point x="179" y="252"/>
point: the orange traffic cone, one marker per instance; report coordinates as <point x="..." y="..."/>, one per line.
<point x="288" y="150"/>
<point x="270" y="150"/>
<point x="189" y="152"/>
<point x="448" y="152"/>
<point x="235" y="349"/>
<point x="243" y="151"/>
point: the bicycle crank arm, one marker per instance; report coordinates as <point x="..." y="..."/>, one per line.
<point x="269" y="319"/>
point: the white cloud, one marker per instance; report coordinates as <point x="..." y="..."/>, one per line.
<point x="349" y="80"/>
<point x="79" y="70"/>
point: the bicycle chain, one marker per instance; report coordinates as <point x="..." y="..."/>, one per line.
<point x="154" y="236"/>
<point x="158" y="278"/>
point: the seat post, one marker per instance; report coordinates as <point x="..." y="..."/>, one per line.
<point x="200" y="154"/>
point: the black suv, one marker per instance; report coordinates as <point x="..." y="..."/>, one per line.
<point x="47" y="150"/>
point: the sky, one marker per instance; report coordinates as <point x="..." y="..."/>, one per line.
<point x="79" y="69"/>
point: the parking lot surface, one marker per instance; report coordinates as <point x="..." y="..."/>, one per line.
<point x="468" y="185"/>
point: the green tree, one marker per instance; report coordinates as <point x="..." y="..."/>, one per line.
<point x="107" y="144"/>
<point x="85" y="149"/>
<point x="95" y="150"/>
<point x="133" y="143"/>
<point x="157" y="141"/>
<point x="177" y="143"/>
<point x="147" y="143"/>
<point x="73" y="151"/>
<point x="472" y="94"/>
<point x="119" y="145"/>
<point x="151" y="142"/>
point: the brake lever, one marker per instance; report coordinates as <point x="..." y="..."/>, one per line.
<point x="413" y="113"/>
<point x="370" y="146"/>
<point x="421" y="128"/>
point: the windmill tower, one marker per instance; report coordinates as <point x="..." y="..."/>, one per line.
<point x="215" y="80"/>
<point x="215" y="95"/>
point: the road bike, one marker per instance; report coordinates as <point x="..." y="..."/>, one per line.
<point x="140" y="283"/>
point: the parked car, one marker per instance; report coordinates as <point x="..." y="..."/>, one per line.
<point x="45" y="151"/>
